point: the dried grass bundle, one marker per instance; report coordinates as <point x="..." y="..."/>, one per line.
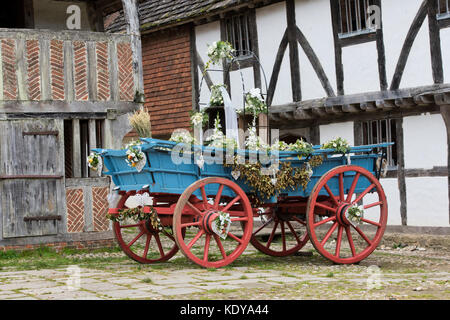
<point x="140" y="121"/>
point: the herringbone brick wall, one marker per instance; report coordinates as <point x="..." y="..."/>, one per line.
<point x="70" y="68"/>
<point x="100" y="208"/>
<point x="75" y="210"/>
<point x="167" y="79"/>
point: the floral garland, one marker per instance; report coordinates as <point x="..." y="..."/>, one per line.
<point x="217" y="51"/>
<point x="216" y="99"/>
<point x="340" y="145"/>
<point x="218" y="140"/>
<point x="199" y="119"/>
<point x="134" y="153"/>
<point x="222" y="224"/>
<point x="182" y="136"/>
<point x="94" y="161"/>
<point x="254" y="103"/>
<point x="137" y="214"/>
<point x="355" y="214"/>
<point x="265" y="186"/>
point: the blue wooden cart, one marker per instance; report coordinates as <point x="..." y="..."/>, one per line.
<point x="342" y="210"/>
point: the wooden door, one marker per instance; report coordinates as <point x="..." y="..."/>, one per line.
<point x="31" y="177"/>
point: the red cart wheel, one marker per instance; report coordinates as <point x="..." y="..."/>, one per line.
<point x="327" y="214"/>
<point x="290" y="227"/>
<point x="140" y="241"/>
<point x="200" y="243"/>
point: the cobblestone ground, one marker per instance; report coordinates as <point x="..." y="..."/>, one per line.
<point x="404" y="267"/>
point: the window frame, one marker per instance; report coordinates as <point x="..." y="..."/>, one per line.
<point x="245" y="61"/>
<point x="443" y="18"/>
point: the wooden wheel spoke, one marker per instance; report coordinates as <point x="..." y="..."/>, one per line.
<point x="206" y="252"/>
<point x="194" y="240"/>
<point x="339" y="241"/>
<point x="368" y="206"/>
<point x="353" y="187"/>
<point x="194" y="208"/>
<point x="190" y="224"/>
<point x="269" y="242"/>
<point x="362" y="235"/>
<point x="239" y="219"/>
<point x="263" y="226"/>
<point x="135" y="239"/>
<point x="147" y="245"/>
<point x="232" y="236"/>
<point x="350" y="241"/>
<point x="341" y="186"/>
<point x="323" y="206"/>
<point x="298" y="220"/>
<point x="333" y="198"/>
<point x="362" y="195"/>
<point x="219" y="244"/>
<point x="218" y="196"/>
<point x="158" y="242"/>
<point x="371" y="222"/>
<point x="232" y="202"/>
<point x="329" y="233"/>
<point x="204" y="198"/>
<point x="283" y="235"/>
<point x="324" y="221"/>
<point x="293" y="232"/>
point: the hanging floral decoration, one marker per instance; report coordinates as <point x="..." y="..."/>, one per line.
<point x="199" y="119"/>
<point x="216" y="98"/>
<point x="355" y="214"/>
<point x="222" y="224"/>
<point x="135" y="157"/>
<point x="340" y="145"/>
<point x="218" y="140"/>
<point x="254" y="103"/>
<point x="218" y="51"/>
<point x="264" y="186"/>
<point x="95" y="162"/>
<point x="137" y="214"/>
<point x="182" y="136"/>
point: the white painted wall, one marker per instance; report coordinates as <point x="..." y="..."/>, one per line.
<point x="314" y="20"/>
<point x="427" y="199"/>
<point x="205" y="35"/>
<point x="445" y="47"/>
<point x="397" y="19"/>
<point x="331" y="131"/>
<point x="237" y="78"/>
<point x="271" y="24"/>
<point x="425" y="139"/>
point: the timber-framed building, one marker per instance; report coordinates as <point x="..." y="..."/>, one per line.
<point x="366" y="70"/>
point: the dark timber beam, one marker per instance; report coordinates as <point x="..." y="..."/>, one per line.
<point x="293" y="51"/>
<point x="435" y="42"/>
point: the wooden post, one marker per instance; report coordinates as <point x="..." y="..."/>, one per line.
<point x="130" y="10"/>
<point x="263" y="122"/>
<point x="445" y="112"/>
<point x="76" y="148"/>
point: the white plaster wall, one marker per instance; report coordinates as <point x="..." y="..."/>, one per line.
<point x="397" y="20"/>
<point x="425" y="139"/>
<point x="427" y="201"/>
<point x="271" y="24"/>
<point x="49" y="14"/>
<point x="390" y="187"/>
<point x="361" y="68"/>
<point x="332" y="131"/>
<point x="205" y="35"/>
<point x="314" y="20"/>
<point x="244" y="76"/>
<point x="445" y="47"/>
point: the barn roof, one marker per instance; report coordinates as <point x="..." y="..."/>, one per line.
<point x="155" y="14"/>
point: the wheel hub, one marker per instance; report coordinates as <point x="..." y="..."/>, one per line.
<point x="208" y="219"/>
<point x="341" y="214"/>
